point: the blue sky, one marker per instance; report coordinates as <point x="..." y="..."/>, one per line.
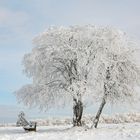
<point x="22" y="20"/>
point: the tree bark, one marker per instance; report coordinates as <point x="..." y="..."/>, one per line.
<point x="96" y="120"/>
<point x="77" y="112"/>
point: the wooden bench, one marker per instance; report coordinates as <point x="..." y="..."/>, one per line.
<point x="30" y="127"/>
<point x="27" y="126"/>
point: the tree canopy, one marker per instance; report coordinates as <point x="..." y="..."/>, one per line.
<point x="72" y="62"/>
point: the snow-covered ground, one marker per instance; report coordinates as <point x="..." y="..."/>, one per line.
<point x="125" y="131"/>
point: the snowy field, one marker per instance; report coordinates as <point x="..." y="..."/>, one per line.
<point x="126" y="131"/>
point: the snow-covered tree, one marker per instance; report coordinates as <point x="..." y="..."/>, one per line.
<point x="78" y="63"/>
<point x="116" y="71"/>
<point x="21" y="120"/>
<point x="59" y="66"/>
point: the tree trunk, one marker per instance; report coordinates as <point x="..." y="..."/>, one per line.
<point x="96" y="120"/>
<point x="106" y="91"/>
<point x="77" y="113"/>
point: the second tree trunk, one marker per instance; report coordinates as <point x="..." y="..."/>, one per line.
<point x="96" y="120"/>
